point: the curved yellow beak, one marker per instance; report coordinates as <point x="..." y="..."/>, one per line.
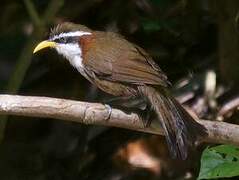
<point x="43" y="45"/>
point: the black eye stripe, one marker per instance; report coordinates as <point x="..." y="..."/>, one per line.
<point x="60" y="40"/>
<point x="66" y="39"/>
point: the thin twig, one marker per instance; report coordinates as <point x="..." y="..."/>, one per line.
<point x="229" y="107"/>
<point x="36" y="20"/>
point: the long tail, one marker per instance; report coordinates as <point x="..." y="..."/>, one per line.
<point x="181" y="130"/>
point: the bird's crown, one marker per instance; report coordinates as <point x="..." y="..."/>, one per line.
<point x="68" y="27"/>
<point x="68" y="32"/>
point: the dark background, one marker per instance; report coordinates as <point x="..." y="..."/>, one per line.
<point x="188" y="39"/>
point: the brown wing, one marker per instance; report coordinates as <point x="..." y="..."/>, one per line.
<point x="113" y="58"/>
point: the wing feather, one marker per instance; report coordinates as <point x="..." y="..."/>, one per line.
<point x="113" y="58"/>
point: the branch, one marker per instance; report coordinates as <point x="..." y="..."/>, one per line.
<point x="97" y="114"/>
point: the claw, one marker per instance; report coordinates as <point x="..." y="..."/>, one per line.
<point x="109" y="109"/>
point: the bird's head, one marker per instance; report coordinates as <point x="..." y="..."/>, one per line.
<point x="65" y="38"/>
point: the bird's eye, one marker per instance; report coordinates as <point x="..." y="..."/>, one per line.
<point x="63" y="40"/>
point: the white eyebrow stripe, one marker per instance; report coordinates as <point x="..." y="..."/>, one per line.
<point x="76" y="33"/>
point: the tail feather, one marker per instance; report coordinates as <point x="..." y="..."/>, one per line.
<point x="181" y="130"/>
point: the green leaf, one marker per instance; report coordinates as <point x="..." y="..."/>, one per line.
<point x="220" y="161"/>
<point x="227" y="149"/>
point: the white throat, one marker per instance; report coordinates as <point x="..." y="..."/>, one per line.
<point x="72" y="51"/>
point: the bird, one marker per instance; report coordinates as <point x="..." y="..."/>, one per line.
<point x="128" y="73"/>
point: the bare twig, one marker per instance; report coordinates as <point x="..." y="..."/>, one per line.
<point x="97" y="114"/>
<point x="228" y="107"/>
<point x="36" y="20"/>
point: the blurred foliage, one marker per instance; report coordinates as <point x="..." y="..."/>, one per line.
<point x="186" y="38"/>
<point x="219" y="162"/>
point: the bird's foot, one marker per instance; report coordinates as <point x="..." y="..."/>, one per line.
<point x="109" y="111"/>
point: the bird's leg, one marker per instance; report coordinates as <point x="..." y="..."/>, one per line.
<point x="109" y="111"/>
<point x="127" y="103"/>
<point x="137" y="105"/>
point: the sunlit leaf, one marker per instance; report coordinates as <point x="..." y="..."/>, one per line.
<point x="220" y="161"/>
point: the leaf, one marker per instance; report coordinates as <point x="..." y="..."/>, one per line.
<point x="227" y="149"/>
<point x="220" y="161"/>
